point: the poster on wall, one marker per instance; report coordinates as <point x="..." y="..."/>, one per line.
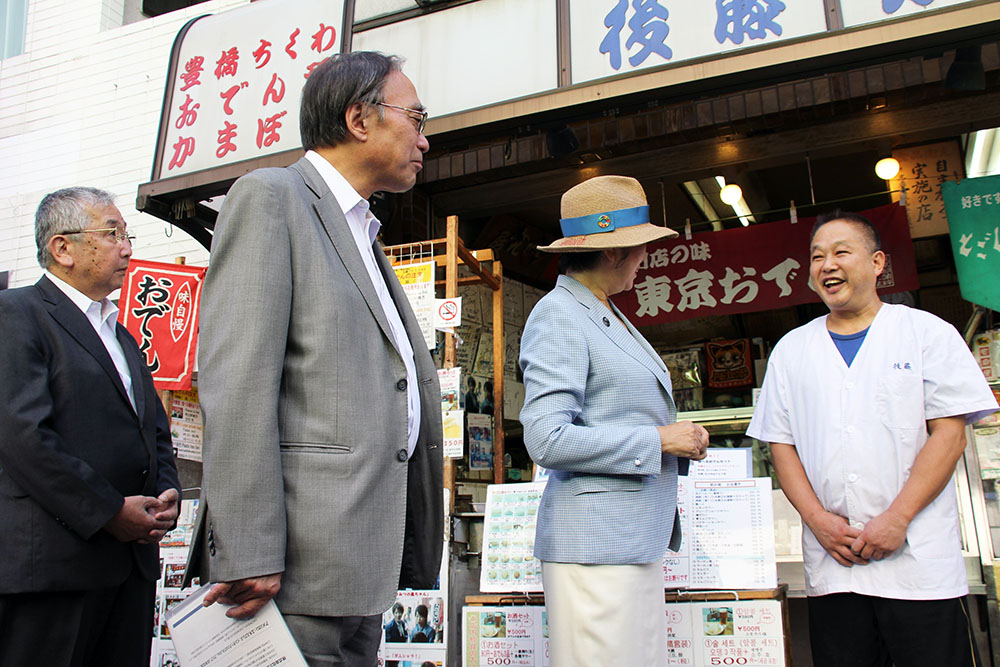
<point x="186" y="424"/>
<point x="418" y="285"/>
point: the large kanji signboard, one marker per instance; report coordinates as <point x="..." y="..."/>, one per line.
<point x="159" y="307"/>
<point x="749" y="269"/>
<point x="238" y="81"/>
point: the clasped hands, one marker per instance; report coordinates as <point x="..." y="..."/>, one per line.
<point x="850" y="546"/>
<point x="145" y="519"/>
<point x="684" y="439"/>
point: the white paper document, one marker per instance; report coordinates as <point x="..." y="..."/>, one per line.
<point x="205" y="636"/>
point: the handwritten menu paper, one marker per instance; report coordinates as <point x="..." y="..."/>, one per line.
<point x="730" y="632"/>
<point x="728" y="535"/>
<point x="516" y="636"/>
<point x="508" y="562"/>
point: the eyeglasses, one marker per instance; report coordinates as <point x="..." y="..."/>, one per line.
<point x="120" y="233"/>
<point x="421" y="116"/>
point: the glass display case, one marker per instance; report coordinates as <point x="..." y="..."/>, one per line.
<point x="727" y="428"/>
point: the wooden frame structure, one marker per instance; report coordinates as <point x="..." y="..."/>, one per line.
<point x="449" y="253"/>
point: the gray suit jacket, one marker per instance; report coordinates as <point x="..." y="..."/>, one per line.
<point x="304" y="399"/>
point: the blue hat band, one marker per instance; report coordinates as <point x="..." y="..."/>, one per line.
<point x="598" y="223"/>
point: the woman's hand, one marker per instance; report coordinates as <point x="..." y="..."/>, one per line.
<point x="684" y="439"/>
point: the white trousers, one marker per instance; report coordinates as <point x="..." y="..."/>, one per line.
<point x="605" y="615"/>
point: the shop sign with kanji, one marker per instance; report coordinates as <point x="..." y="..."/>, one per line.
<point x="238" y="79"/>
<point x="159" y="307"/>
<point x="748" y="269"/>
<point x="974" y="216"/>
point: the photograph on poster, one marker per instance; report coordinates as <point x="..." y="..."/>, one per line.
<point x="416" y="617"/>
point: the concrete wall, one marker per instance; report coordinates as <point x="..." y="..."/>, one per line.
<point x="81" y="106"/>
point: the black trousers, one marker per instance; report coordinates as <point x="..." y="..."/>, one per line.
<point x="852" y="630"/>
<point x="99" y="628"/>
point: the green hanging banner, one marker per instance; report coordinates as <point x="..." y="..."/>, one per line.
<point x="973" y="208"/>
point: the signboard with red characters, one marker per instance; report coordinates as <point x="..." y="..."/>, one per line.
<point x="159" y="307"/>
<point x="237" y="82"/>
<point x="760" y="267"/>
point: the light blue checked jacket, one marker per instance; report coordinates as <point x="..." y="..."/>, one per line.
<point x="595" y="393"/>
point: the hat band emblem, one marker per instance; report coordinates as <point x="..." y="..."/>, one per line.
<point x="599" y="223"/>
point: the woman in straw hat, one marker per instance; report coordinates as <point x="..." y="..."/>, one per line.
<point x="598" y="414"/>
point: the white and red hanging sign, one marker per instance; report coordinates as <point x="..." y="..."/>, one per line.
<point x="159" y="307"/>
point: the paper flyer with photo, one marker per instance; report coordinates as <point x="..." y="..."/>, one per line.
<point x="480" y="441"/>
<point x="182" y="535"/>
<point x="418" y="284"/>
<point x="508" y="562"/>
<point x="450" y="379"/>
<point x="414" y="627"/>
<point x="168" y="595"/>
<point x="452" y="425"/>
<point x="730" y="632"/>
<point x="738" y="632"/>
<point x="185" y="424"/>
<point x="515" y="636"/>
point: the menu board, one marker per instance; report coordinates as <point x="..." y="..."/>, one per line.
<point x="508" y="562"/>
<point x="516" y="636"/>
<point x="731" y="632"/>
<point x="728" y="535"/>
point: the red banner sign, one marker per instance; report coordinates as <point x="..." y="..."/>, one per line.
<point x="159" y="307"/>
<point x="760" y="267"/>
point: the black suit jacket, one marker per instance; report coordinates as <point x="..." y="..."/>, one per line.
<point x="71" y="447"/>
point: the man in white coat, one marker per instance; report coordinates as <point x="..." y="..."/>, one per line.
<point x="865" y="410"/>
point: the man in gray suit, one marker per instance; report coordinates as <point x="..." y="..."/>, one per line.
<point x="322" y="456"/>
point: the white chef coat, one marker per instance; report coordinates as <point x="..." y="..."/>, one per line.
<point x="857" y="431"/>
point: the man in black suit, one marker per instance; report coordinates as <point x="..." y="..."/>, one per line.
<point x="88" y="484"/>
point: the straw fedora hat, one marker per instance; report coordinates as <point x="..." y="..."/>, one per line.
<point x="605" y="212"/>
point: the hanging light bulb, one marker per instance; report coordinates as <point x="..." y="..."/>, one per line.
<point x="731" y="194"/>
<point x="887" y="168"/>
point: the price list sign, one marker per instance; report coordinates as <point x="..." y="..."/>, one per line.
<point x="728" y="535"/>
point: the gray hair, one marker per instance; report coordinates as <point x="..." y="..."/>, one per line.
<point x="336" y="84"/>
<point x="64" y="211"/>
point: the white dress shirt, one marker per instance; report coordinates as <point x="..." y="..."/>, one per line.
<point x="364" y="228"/>
<point x="102" y="315"/>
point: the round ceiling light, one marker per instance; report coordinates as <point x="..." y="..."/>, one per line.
<point x="887" y="168"/>
<point x="731" y="194"/>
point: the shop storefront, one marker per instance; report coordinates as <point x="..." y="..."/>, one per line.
<point x="529" y="98"/>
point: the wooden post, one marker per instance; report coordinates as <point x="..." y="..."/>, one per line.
<point x="450" y="292"/>
<point x="498" y="353"/>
